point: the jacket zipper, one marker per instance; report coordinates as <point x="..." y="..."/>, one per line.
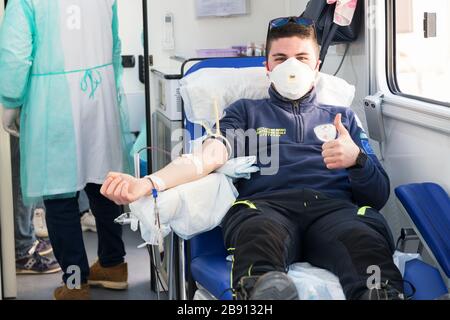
<point x="299" y="122"/>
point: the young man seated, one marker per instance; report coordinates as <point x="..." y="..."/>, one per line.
<point x="320" y="202"/>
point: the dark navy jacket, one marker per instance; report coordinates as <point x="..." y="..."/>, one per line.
<point x="289" y="127"/>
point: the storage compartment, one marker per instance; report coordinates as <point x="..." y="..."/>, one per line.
<point x="167" y="137"/>
<point x="168" y="99"/>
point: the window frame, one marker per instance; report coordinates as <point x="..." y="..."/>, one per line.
<point x="391" y="58"/>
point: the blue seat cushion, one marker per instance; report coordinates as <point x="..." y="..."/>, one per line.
<point x="208" y="243"/>
<point x="428" y="205"/>
<point x="426" y="280"/>
<point x="213" y="273"/>
<point x="242" y="62"/>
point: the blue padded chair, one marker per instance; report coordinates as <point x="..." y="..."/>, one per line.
<point x="428" y="207"/>
<point x="208" y="265"/>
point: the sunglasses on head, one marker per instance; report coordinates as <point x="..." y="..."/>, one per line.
<point x="280" y="22"/>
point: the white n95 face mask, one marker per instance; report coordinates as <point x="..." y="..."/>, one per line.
<point x="293" y="79"/>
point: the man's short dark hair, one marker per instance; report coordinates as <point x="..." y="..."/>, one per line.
<point x="289" y="30"/>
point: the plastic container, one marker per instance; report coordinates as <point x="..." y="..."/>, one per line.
<point x="242" y="50"/>
<point x="217" y="53"/>
<point x="251" y="49"/>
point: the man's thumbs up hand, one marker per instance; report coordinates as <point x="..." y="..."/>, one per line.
<point x="342" y="131"/>
<point x="342" y="152"/>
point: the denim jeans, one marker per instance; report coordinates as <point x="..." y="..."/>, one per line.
<point x="23" y="215"/>
<point x="83" y="201"/>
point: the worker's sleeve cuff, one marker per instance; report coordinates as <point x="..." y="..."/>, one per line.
<point x="362" y="174"/>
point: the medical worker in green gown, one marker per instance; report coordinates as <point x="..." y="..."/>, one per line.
<point x="60" y="68"/>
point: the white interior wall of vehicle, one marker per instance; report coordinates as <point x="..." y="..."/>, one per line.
<point x="418" y="133"/>
<point x="8" y="286"/>
<point x="192" y="33"/>
<point x="7" y="255"/>
<point x="130" y="31"/>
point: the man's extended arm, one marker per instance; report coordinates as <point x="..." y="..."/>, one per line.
<point x="124" y="189"/>
<point x="213" y="154"/>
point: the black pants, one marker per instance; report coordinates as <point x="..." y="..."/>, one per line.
<point x="64" y="229"/>
<point x="274" y="231"/>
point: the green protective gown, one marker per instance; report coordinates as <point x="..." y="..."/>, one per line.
<point x="60" y="62"/>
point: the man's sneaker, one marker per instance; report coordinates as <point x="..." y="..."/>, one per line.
<point x="40" y="226"/>
<point x="64" y="293"/>
<point x="115" y="278"/>
<point x="385" y="292"/>
<point x="270" y="286"/>
<point x="41" y="246"/>
<point x="245" y="287"/>
<point x="36" y="264"/>
<point x="88" y="222"/>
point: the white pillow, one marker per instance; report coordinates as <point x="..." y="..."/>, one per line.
<point x="224" y="86"/>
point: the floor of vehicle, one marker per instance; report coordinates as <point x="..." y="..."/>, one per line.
<point x="40" y="287"/>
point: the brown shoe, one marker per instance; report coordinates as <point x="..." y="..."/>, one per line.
<point x="64" y="293"/>
<point x="115" y="278"/>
